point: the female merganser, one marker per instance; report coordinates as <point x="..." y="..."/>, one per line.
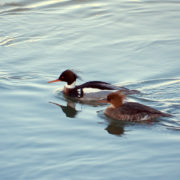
<point x="130" y="111"/>
<point x="70" y="89"/>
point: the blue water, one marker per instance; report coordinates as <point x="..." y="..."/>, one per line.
<point x="133" y="43"/>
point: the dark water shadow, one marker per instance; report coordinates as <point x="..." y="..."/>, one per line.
<point x="115" y="128"/>
<point x="69" y="110"/>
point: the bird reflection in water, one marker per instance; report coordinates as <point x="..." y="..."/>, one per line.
<point x="69" y="110"/>
<point x="115" y="129"/>
<point x="118" y="128"/>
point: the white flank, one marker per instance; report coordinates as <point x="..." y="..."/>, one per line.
<point x="92" y="90"/>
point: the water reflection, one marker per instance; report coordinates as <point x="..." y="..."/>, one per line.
<point x="69" y="110"/>
<point x="115" y="128"/>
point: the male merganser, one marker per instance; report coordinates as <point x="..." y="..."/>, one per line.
<point x="70" y="89"/>
<point x="130" y="111"/>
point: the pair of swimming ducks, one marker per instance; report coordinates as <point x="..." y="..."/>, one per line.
<point x="119" y="109"/>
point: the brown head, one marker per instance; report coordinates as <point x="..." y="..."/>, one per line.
<point x="116" y="98"/>
<point x="66" y="76"/>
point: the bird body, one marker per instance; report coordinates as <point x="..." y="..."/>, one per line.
<point x="130" y="111"/>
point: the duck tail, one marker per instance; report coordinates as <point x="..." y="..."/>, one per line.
<point x="166" y="115"/>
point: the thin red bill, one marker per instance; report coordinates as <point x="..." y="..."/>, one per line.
<point x="54" y="81"/>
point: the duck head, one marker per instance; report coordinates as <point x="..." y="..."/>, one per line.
<point x="66" y="76"/>
<point x="116" y="99"/>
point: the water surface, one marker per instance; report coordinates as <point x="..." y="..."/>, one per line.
<point x="133" y="43"/>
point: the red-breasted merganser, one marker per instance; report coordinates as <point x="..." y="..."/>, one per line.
<point x="70" y="89"/>
<point x="129" y="111"/>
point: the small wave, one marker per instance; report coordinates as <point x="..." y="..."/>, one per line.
<point x="45" y="3"/>
<point x="18" y="39"/>
<point x="11" y="4"/>
<point x="173" y="123"/>
<point x="89" y="8"/>
<point x="14" y="11"/>
<point x="6" y="41"/>
<point x="162" y="81"/>
<point x="14" y="7"/>
<point x="17" y="76"/>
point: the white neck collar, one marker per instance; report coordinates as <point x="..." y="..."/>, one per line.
<point x="71" y="86"/>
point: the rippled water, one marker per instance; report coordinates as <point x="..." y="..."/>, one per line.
<point x="133" y="43"/>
